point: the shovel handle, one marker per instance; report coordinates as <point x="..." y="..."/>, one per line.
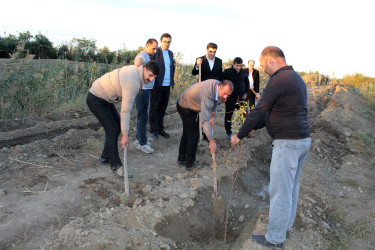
<point x="126" y="180"/>
<point x="214" y="173"/>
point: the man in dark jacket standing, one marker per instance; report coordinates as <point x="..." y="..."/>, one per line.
<point x="253" y="76"/>
<point x="162" y="87"/>
<point x="282" y="109"/>
<point x="241" y="87"/>
<point x="212" y="66"/>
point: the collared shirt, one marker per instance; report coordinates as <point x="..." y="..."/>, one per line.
<point x="251" y="80"/>
<point x="211" y="62"/>
<point x="167" y="64"/>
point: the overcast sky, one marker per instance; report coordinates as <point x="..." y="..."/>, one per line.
<point x="332" y="37"/>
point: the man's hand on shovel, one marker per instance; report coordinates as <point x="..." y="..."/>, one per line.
<point x="212" y="146"/>
<point x="124" y="141"/>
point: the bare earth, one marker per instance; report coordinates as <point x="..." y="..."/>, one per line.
<point x="54" y="194"/>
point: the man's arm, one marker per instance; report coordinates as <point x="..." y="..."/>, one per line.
<point x="139" y="61"/>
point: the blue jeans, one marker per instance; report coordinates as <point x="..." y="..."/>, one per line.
<point x="141" y="102"/>
<point x="288" y="157"/>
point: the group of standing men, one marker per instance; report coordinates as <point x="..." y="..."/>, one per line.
<point x="282" y="109"/>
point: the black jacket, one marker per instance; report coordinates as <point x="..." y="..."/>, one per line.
<point x="282" y="108"/>
<point x="239" y="80"/>
<point x="207" y="73"/>
<point x="159" y="58"/>
<point x="255" y="76"/>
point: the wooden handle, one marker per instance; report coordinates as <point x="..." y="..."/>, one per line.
<point x="126" y="180"/>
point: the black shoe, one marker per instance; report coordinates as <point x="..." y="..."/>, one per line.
<point x="154" y="135"/>
<point x="103" y="160"/>
<point x="261" y="240"/>
<point x="193" y="167"/>
<point x="287" y="235"/>
<point x="164" y="134"/>
<point x="181" y="163"/>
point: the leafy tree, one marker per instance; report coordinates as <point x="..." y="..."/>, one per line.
<point x="63" y="52"/>
<point x="8" y="45"/>
<point x="41" y="47"/>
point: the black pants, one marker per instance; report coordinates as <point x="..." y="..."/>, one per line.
<point x="110" y="119"/>
<point x="251" y="100"/>
<point x="230" y="105"/>
<point x="190" y="135"/>
<point x="158" y="105"/>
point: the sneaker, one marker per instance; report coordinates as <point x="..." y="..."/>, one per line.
<point x="120" y="172"/>
<point x="154" y="136"/>
<point x="164" y="134"/>
<point x="146" y="148"/>
<point x="229" y="136"/>
<point x="136" y="143"/>
<point x="261" y="240"/>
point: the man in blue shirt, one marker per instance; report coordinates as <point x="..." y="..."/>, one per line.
<point x="162" y="87"/>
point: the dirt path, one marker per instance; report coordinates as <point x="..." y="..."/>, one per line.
<point x="55" y="194"/>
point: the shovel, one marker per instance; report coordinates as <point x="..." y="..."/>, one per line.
<point x="126" y="180"/>
<point x="200" y="119"/>
<point x="217" y="199"/>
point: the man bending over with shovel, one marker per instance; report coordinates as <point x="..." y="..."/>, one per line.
<point x="120" y="85"/>
<point x="200" y="97"/>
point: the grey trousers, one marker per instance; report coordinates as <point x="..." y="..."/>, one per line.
<point x="288" y="157"/>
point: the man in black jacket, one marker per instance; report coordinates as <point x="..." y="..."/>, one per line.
<point x="253" y="76"/>
<point x="241" y="87"/>
<point x="282" y="109"/>
<point x="162" y="87"/>
<point x="212" y="66"/>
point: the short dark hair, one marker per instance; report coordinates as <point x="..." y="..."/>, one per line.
<point x="165" y="35"/>
<point x="153" y="67"/>
<point x="212" y="45"/>
<point x="237" y="60"/>
<point x="151" y="41"/>
<point x="227" y="82"/>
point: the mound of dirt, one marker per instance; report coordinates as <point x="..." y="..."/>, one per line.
<point x="56" y="195"/>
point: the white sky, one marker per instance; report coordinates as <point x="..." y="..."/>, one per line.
<point x="334" y="37"/>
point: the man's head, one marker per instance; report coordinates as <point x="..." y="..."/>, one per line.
<point x="250" y="65"/>
<point x="224" y="90"/>
<point x="272" y="59"/>
<point x="237" y="64"/>
<point x="165" y="41"/>
<point x="211" y="50"/>
<point x="150" y="71"/>
<point x="151" y="46"/>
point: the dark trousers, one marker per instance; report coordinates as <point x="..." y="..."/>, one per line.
<point x="251" y="100"/>
<point x="190" y="135"/>
<point x="158" y="105"/>
<point x="230" y="105"/>
<point x="110" y="119"/>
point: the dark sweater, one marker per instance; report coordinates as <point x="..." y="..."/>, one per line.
<point x="239" y="80"/>
<point x="282" y="108"/>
